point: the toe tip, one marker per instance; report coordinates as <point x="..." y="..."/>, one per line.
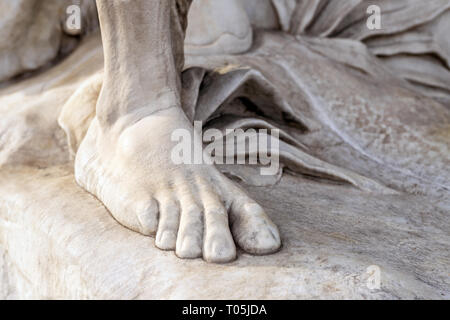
<point x="265" y="242"/>
<point x="166" y="241"/>
<point x="189" y="248"/>
<point x="220" y="253"/>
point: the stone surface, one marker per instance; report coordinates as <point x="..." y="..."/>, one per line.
<point x="29" y="109"/>
<point x="70" y="247"/>
<point x="60" y="242"/>
<point x="33" y="34"/>
<point x="364" y="151"/>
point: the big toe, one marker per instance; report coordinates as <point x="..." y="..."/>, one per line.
<point x="253" y="230"/>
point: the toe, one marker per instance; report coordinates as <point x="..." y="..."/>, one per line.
<point x="169" y="216"/>
<point x="190" y="232"/>
<point x="252" y="228"/>
<point x="218" y="245"/>
<point x="147" y="215"/>
<point x="135" y="210"/>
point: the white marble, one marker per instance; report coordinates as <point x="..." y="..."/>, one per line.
<point x="364" y="123"/>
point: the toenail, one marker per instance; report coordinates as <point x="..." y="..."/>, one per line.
<point x="221" y="252"/>
<point x="167" y="238"/>
<point x="218" y="248"/>
<point x="189" y="246"/>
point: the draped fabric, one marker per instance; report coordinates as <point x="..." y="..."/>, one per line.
<point x="357" y="107"/>
<point x="336" y="82"/>
<point x="344" y="115"/>
<point x="413" y="39"/>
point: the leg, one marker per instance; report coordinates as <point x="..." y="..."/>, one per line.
<point x="124" y="160"/>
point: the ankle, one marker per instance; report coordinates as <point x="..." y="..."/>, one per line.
<point x="122" y="110"/>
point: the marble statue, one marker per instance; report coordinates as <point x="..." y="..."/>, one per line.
<point x="360" y="111"/>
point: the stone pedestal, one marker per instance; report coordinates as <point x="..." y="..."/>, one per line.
<point x="57" y="241"/>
